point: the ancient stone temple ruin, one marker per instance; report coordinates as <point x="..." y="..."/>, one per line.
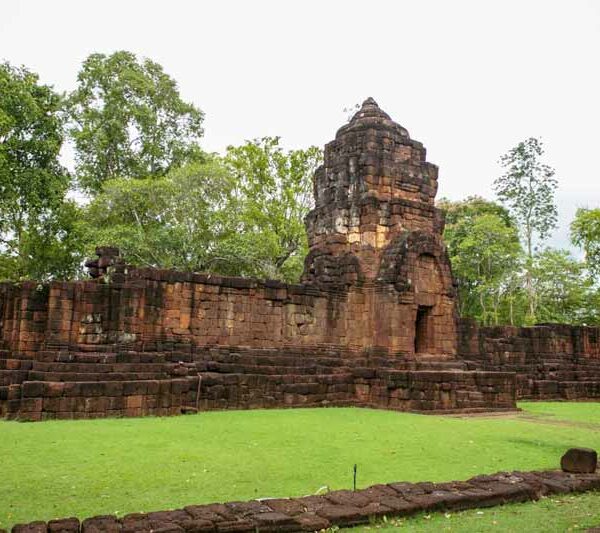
<point x="375" y="226"/>
<point x="373" y="322"/>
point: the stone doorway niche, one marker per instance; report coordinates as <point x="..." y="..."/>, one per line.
<point x="428" y="287"/>
<point x="424" y="334"/>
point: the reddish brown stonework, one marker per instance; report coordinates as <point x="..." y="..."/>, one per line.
<point x="342" y="508"/>
<point x="375" y="226"/>
<point x="372" y="324"/>
<point x="108" y="262"/>
<point x="551" y="361"/>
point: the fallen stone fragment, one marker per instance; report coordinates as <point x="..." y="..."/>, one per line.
<point x="33" y="527"/>
<point x="66" y="525"/>
<point x="101" y="524"/>
<point x="579" y="461"/>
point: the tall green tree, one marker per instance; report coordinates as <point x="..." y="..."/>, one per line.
<point x="585" y="233"/>
<point x="37" y="224"/>
<point x="464" y="211"/>
<point x="528" y="187"/>
<point x="275" y="192"/>
<point x="241" y="215"/>
<point x="127" y="120"/>
<point x="485" y="251"/>
<point x="488" y="263"/>
<point x="177" y="221"/>
<point x="564" y="291"/>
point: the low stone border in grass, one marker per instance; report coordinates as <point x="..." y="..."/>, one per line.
<point x="338" y="508"/>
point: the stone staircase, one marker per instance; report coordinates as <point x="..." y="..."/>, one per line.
<point x="264" y="378"/>
<point x="548" y="376"/>
<point x="551" y="361"/>
<point x="84" y="383"/>
<point x="256" y="378"/>
<point x="94" y="381"/>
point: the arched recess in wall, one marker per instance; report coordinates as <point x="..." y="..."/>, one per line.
<point x="401" y="261"/>
<point x="428" y="286"/>
<point x="416" y="264"/>
<point x="427" y="280"/>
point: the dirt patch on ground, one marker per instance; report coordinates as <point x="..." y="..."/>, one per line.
<point x="535" y="418"/>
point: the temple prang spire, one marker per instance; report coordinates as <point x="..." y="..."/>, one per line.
<point x="375" y="224"/>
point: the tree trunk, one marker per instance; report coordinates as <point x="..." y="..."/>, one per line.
<point x="528" y="277"/>
<point x="483" y="309"/>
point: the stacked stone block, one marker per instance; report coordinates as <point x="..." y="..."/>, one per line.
<point x="551" y="361"/>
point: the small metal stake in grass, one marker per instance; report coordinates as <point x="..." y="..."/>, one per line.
<point x="354" y="483"/>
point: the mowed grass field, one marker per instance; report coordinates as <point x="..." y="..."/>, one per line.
<point x="90" y="467"/>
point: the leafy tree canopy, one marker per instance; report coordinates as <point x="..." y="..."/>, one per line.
<point x="37" y="224"/>
<point x="275" y="192"/>
<point x="238" y="215"/>
<point x="493" y="272"/>
<point x="585" y="233"/>
<point x="564" y="290"/>
<point x="471" y="208"/>
<point x="175" y="221"/>
<point x="484" y="249"/>
<point x="527" y="187"/>
<point x="127" y="120"/>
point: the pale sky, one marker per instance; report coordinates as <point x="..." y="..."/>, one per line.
<point x="469" y="79"/>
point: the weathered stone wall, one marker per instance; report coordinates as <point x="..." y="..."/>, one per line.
<point x="552" y="361"/>
<point x="23" y="316"/>
<point x="147" y="307"/>
<point x="343" y="508"/>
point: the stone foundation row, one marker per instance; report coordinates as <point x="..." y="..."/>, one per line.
<point x="399" y="390"/>
<point x="342" y="508"/>
<point x="551" y="361"/>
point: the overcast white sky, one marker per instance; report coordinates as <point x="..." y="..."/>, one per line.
<point x="468" y="79"/>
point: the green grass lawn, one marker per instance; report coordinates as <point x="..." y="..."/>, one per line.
<point x="91" y="467"/>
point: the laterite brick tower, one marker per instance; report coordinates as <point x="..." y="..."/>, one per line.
<point x="375" y="226"/>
